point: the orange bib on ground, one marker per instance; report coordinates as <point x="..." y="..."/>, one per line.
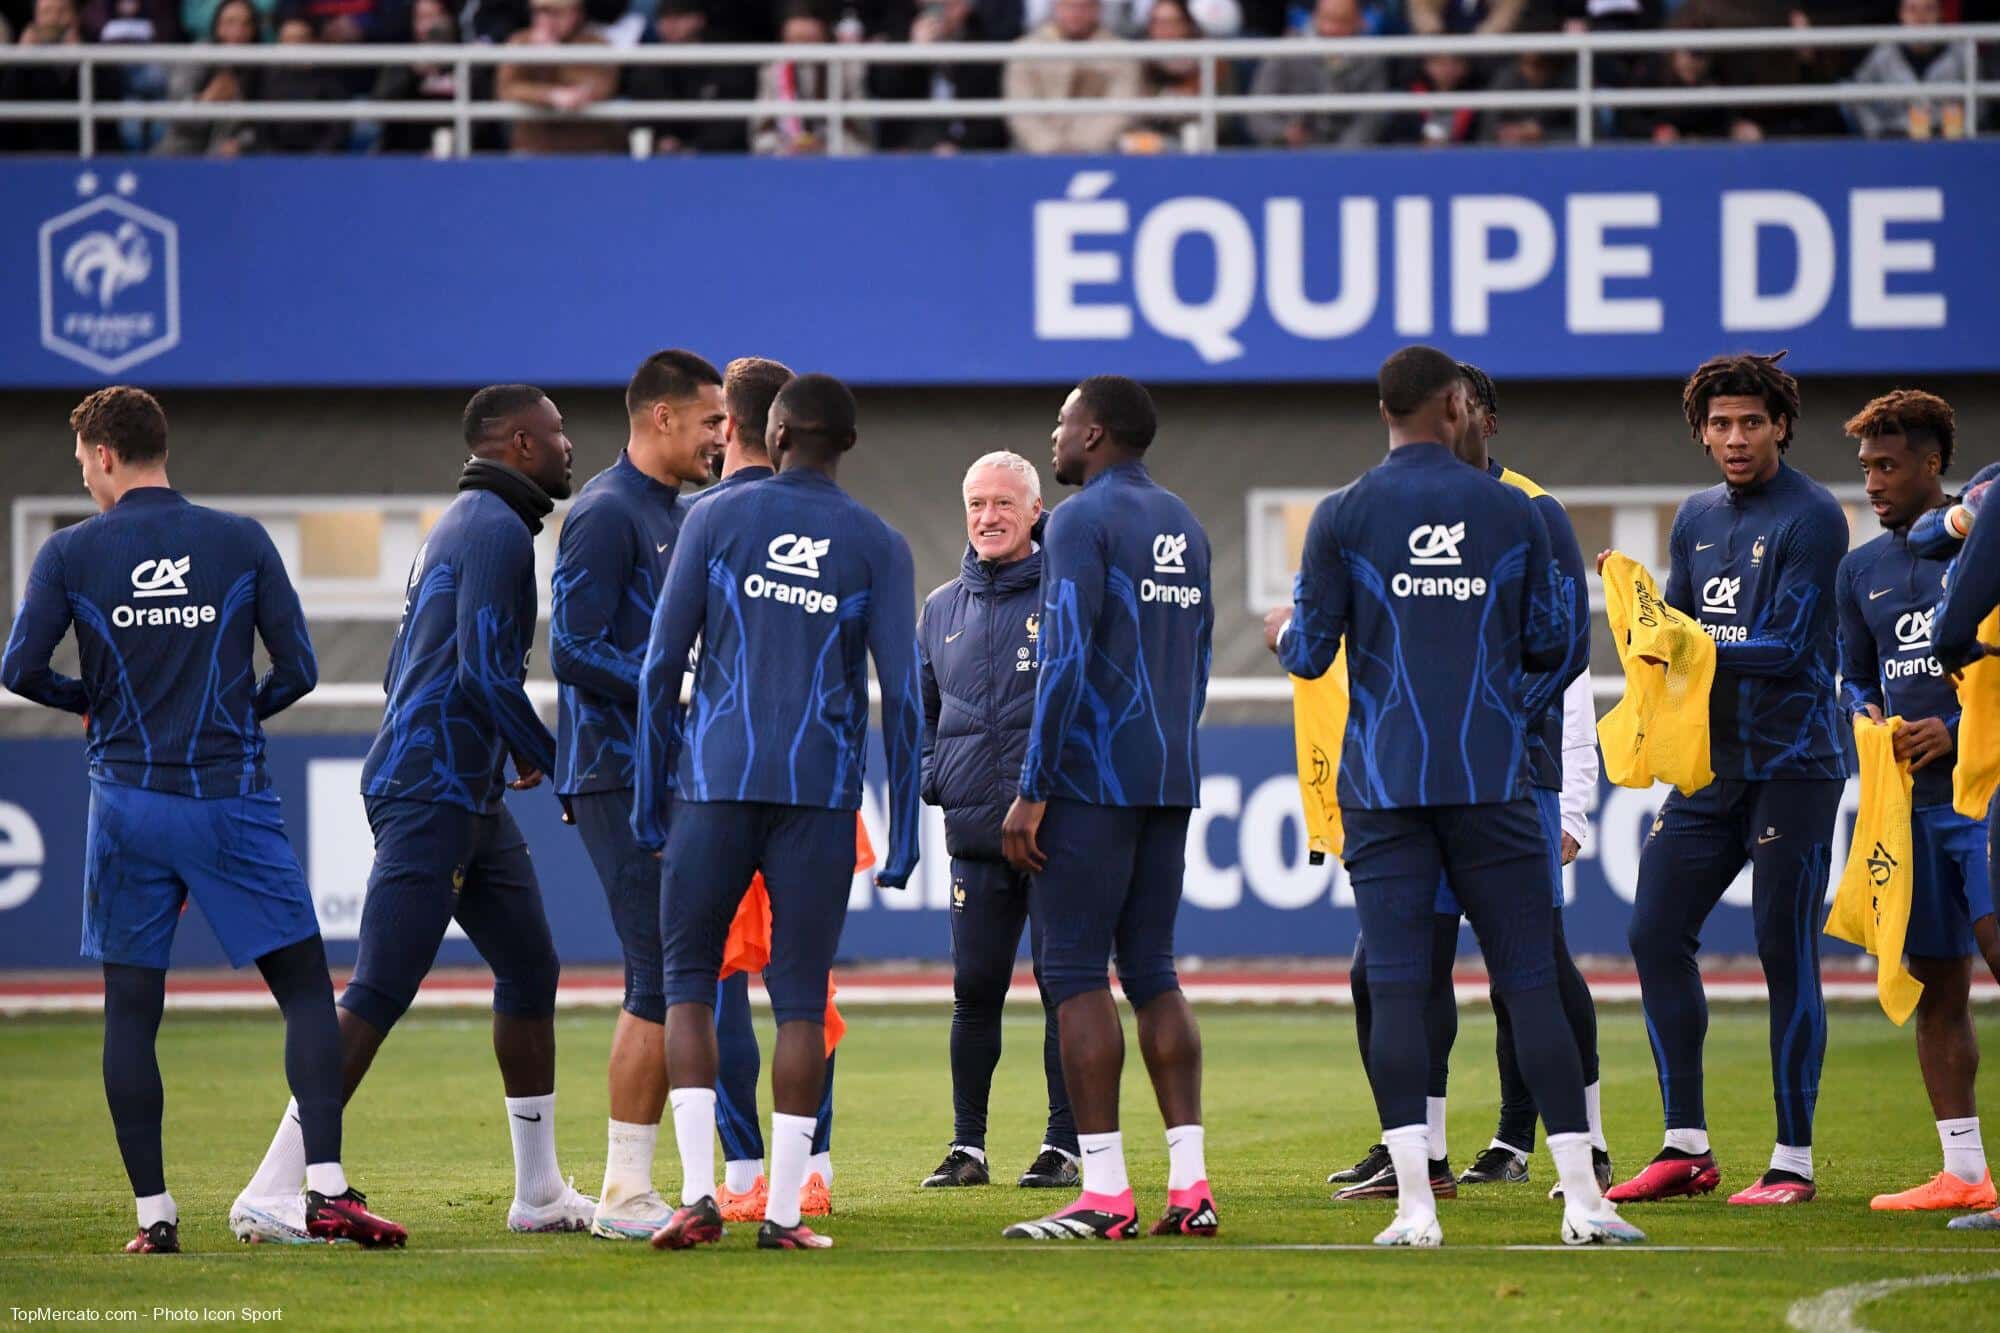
<point x="748" y="947"/>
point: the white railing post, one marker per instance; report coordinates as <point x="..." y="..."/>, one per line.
<point x="1971" y="49"/>
<point x="461" y="108"/>
<point x="1586" y="105"/>
<point x="1210" y="138"/>
<point x="86" y="103"/>
<point x="836" y="124"/>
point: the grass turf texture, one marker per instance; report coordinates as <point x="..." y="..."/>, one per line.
<point x="1285" y="1104"/>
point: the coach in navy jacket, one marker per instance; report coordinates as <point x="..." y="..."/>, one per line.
<point x="979" y="651"/>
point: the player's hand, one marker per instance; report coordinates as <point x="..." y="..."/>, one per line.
<point x="1570" y="848"/>
<point x="1275" y="621"/>
<point x="1018" y="835"/>
<point x="524" y="778"/>
<point x="1922" y="742"/>
<point x="1873" y="712"/>
<point x="1602" y="556"/>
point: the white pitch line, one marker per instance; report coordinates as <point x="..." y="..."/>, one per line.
<point x="1835" y="1311"/>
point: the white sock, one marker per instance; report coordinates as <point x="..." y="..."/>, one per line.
<point x="283" y="1171"/>
<point x="1688" y="1140"/>
<point x="1593" y="1104"/>
<point x="1104" y="1163"/>
<point x="741" y="1175"/>
<point x="628" y="1160"/>
<point x="976" y="1154"/>
<point x="532" y="1120"/>
<point x="1798" y="1161"/>
<point x="1409" y="1152"/>
<point x="326" y="1179"/>
<point x="1185" y="1165"/>
<point x="791" y="1145"/>
<point x="821" y="1162"/>
<point x="694" y="1135"/>
<point x="1063" y="1153"/>
<point x="157" y="1208"/>
<point x="1519" y="1155"/>
<point x="1964" y="1154"/>
<point x="1434" y="1126"/>
<point x="1574" y="1170"/>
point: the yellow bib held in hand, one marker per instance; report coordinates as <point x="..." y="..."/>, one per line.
<point x="1659" y="731"/>
<point x="1977" y="772"/>
<point x="1871" y="907"/>
<point x="1319" y="721"/>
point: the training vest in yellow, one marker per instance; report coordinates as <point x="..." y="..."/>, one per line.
<point x="1319" y="721"/>
<point x="1871" y="907"/>
<point x="1977" y="771"/>
<point x="1659" y="730"/>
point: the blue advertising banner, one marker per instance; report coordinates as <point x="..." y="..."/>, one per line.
<point x="1544" y="263"/>
<point x="1250" y="890"/>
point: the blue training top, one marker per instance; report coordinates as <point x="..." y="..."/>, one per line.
<point x="1888" y="599"/>
<point x="166" y="597"/>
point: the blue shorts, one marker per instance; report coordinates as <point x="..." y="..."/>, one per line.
<point x="1497" y="859"/>
<point x="713" y="848"/>
<point x="1548" y="805"/>
<point x="1950" y="889"/>
<point x="631" y="878"/>
<point x="436" y="863"/>
<point x="1111" y="886"/>
<point x="146" y="852"/>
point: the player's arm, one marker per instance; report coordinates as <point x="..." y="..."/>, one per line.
<point x="1073" y="574"/>
<point x="892" y="642"/>
<point x="1781" y="636"/>
<point x="594" y="563"/>
<point x="281" y="624"/>
<point x="1547" y="623"/>
<point x="677" y="619"/>
<point x="491" y="648"/>
<point x="1541" y="688"/>
<point x="933" y="703"/>
<point x="1679" y="592"/>
<point x="1860" y="663"/>
<point x="1930" y="536"/>
<point x="1579" y="763"/>
<point x="1321" y="596"/>
<point x="38" y="628"/>
<point x="1974" y="592"/>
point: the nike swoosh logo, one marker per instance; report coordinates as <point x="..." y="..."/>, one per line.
<point x="1773" y="838"/>
<point x="531" y="1119"/>
<point x="1879" y="592"/>
<point x="1703" y="546"/>
<point x="661" y="547"/>
<point x="1092" y="1152"/>
<point x="1956" y="1132"/>
<point x="952" y="638"/>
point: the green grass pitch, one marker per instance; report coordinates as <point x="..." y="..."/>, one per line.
<point x="1285" y="1104"/>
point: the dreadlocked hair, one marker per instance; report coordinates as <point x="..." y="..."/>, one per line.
<point x="1483" y="391"/>
<point x="1744" y="375"/>
<point x="1924" y="419"/>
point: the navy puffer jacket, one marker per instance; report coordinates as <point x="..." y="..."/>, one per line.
<point x="979" y="651"/>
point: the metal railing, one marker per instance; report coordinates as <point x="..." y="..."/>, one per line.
<point x="1586" y="98"/>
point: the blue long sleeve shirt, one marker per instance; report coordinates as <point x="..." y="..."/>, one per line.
<point x="1441" y="581"/>
<point x="457" y="704"/>
<point x="1972" y="590"/>
<point x="1126" y="636"/>
<point x="791" y="585"/>
<point x="1887" y="598"/>
<point x="166" y="598"/>
<point x="1757" y="567"/>
<point x="1543" y="691"/>
<point x="616" y="541"/>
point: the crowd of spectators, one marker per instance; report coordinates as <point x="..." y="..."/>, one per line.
<point x="557" y="94"/>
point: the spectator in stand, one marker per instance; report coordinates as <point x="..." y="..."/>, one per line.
<point x="1431" y="17"/>
<point x="234" y="23"/>
<point x="199" y="15"/>
<point x="1079" y="22"/>
<point x="1171" y="21"/>
<point x="1215" y="18"/>
<point x="54" y="23"/>
<point x="805" y="81"/>
<point x="686" y="23"/>
<point x="300" y="83"/>
<point x="1439" y="125"/>
<point x="1614" y="69"/>
<point x="560" y="90"/>
<point x="1538" y="72"/>
<point x="1316" y="75"/>
<point x="131" y="21"/>
<point x="432" y="24"/>
<point x="1769" y="67"/>
<point x="1910" y="64"/>
<point x="1679" y="124"/>
<point x="947" y="21"/>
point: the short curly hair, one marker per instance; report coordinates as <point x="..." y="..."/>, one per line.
<point x="129" y="422"/>
<point x="1745" y="375"/>
<point x="1924" y="419"/>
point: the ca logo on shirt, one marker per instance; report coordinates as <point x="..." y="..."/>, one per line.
<point x="1719" y="594"/>
<point x="165" y="577"/>
<point x="796" y="555"/>
<point x="1170" y="554"/>
<point x="1913" y="631"/>
<point x="1436" y="543"/>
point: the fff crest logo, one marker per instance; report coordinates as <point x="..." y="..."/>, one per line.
<point x="110" y="279"/>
